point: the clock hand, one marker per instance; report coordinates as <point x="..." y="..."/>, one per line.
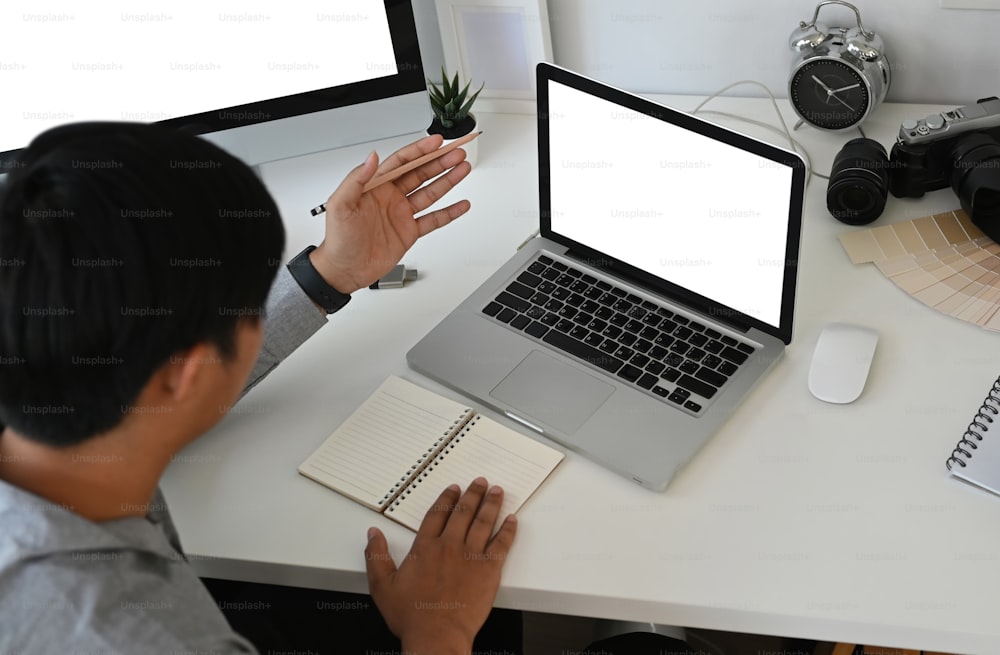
<point x="844" y="88"/>
<point x="841" y="100"/>
<point x="828" y="90"/>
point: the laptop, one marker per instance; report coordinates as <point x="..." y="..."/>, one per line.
<point x="659" y="291"/>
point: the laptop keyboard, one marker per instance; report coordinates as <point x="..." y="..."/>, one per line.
<point x="648" y="346"/>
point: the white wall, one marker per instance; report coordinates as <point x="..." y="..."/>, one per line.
<point x="698" y="46"/>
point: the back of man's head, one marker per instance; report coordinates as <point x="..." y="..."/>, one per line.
<point x="121" y="245"/>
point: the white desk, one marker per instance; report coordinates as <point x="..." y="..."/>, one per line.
<point x="799" y="518"/>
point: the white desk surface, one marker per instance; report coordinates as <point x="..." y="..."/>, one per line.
<point x="799" y="518"/>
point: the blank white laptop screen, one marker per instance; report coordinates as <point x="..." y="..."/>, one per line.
<point x="122" y="60"/>
<point x="702" y="214"/>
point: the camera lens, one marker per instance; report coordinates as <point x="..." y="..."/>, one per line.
<point x="975" y="178"/>
<point x="859" y="182"/>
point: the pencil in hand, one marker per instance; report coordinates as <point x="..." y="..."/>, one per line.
<point x="398" y="172"/>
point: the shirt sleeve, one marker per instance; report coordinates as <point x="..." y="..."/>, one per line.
<point x="291" y="318"/>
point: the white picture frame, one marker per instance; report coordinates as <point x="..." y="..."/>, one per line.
<point x="496" y="42"/>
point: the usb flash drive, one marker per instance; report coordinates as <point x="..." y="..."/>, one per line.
<point x="395" y="278"/>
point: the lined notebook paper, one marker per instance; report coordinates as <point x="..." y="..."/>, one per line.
<point x="399" y="450"/>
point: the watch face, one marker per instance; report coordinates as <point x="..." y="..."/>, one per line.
<point x="829" y="94"/>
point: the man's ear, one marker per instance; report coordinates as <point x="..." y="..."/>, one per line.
<point x="180" y="374"/>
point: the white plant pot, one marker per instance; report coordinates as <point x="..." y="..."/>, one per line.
<point x="472" y="148"/>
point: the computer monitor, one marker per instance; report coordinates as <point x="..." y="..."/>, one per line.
<point x="265" y="80"/>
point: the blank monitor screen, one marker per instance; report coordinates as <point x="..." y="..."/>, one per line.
<point x="209" y="67"/>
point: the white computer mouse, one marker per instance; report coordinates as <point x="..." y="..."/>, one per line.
<point x="841" y="362"/>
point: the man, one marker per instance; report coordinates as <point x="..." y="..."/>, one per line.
<point x="135" y="265"/>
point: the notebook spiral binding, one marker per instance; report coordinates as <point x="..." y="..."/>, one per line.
<point x="977" y="429"/>
<point x="444" y="453"/>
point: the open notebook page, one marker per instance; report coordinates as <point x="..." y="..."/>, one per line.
<point x="983" y="470"/>
<point x="384" y="441"/>
<point x="484" y="448"/>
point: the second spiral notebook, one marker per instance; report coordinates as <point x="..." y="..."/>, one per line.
<point x="974" y="459"/>
<point x="398" y="451"/>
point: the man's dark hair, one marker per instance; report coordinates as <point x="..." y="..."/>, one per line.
<point x="121" y="245"/>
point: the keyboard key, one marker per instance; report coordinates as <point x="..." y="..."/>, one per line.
<point x="697" y="386"/>
<point x="545" y="260"/>
<point x="618" y="292"/>
<point x="539" y="299"/>
<point x="652" y="319"/>
<point x="629" y="373"/>
<point x="649" y="333"/>
<point x="658" y="352"/>
<point x="712" y="334"/>
<point x="601" y="284"/>
<point x="634" y="299"/>
<point x="512" y="301"/>
<point x="637" y="313"/>
<point x="553" y="305"/>
<point x="639" y="360"/>
<point x="667" y="327"/>
<point x="733" y="355"/>
<point x="565" y="326"/>
<point x="492" y="309"/>
<point x="679" y="347"/>
<point x="683" y="320"/>
<point x="624" y="353"/>
<point x="520" y="322"/>
<point x="506" y="315"/>
<point x="559" y="266"/>
<point x="597" y="325"/>
<point x="676" y="397"/>
<point x="550" y="274"/>
<point x="574" y="272"/>
<point x="698" y="340"/>
<point x="619" y="319"/>
<point x="682" y="332"/>
<point x="576" y="300"/>
<point x="713" y="378"/>
<point x="529" y="279"/>
<point x="696" y="326"/>
<point x="578" y="332"/>
<point x="642" y="345"/>
<point x="537" y="267"/>
<point x="608" y="300"/>
<point x="609" y="346"/>
<point x="647" y="381"/>
<point x="536" y="329"/>
<point x="579" y="286"/>
<point x="535" y="312"/>
<point x="711" y="361"/>
<point x="550" y="318"/>
<point x="714" y="347"/>
<point x="671" y="375"/>
<point x="589" y="279"/>
<point x="590" y="306"/>
<point x="655" y="367"/>
<point x="622" y="306"/>
<point x="562" y="293"/>
<point x="664" y="340"/>
<point x="693" y="406"/>
<point x="745" y="347"/>
<point x="649" y="305"/>
<point x="664" y="312"/>
<point x="634" y="326"/>
<point x="687" y="366"/>
<point x="593" y="293"/>
<point x="728" y="340"/>
<point x="567" y="311"/>
<point x="660" y="391"/>
<point x="546" y="287"/>
<point x="611" y="332"/>
<point x="627" y="338"/>
<point x="695" y="354"/>
<point x="593" y="339"/>
<point x="582" y="318"/>
<point x="604" y="313"/>
<point x="727" y="368"/>
<point x="583" y="351"/>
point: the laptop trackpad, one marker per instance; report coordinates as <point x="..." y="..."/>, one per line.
<point x="545" y="389"/>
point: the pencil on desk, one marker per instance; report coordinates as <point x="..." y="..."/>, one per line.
<point x="396" y="173"/>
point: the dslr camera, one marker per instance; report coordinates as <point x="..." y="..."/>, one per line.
<point x="958" y="148"/>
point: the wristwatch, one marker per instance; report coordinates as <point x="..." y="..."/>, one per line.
<point x="313" y="283"/>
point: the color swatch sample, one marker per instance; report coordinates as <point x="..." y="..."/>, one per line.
<point x="944" y="261"/>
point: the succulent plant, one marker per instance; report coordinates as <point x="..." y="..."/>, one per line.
<point x="451" y="105"/>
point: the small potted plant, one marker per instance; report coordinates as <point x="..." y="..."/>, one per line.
<point x="452" y="118"/>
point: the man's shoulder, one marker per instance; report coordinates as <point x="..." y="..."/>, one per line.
<point x="111" y="587"/>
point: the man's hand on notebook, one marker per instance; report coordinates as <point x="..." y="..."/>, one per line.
<point x="440" y="596"/>
<point x="368" y="232"/>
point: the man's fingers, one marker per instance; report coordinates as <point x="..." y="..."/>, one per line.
<point x="410" y="152"/>
<point x="437" y="516"/>
<point x="412" y="180"/>
<point x="482" y="525"/>
<point x="378" y="561"/>
<point x="353" y="185"/>
<point x="500" y="545"/>
<point x="441" y="217"/>
<point x="423" y="198"/>
<point x="465" y="510"/>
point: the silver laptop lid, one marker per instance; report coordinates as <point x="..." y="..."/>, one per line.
<point x="692" y="210"/>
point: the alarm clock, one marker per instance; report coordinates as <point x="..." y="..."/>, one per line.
<point x="840" y="74"/>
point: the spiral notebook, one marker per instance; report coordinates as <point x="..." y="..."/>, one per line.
<point x="398" y="451"/>
<point x="974" y="458"/>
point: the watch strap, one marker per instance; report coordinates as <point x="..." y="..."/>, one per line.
<point x="314" y="285"/>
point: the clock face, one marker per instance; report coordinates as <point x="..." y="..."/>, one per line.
<point x="829" y="94"/>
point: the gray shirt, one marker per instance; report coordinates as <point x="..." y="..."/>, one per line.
<point x="72" y="586"/>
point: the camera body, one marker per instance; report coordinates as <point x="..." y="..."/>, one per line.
<point x="922" y="157"/>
